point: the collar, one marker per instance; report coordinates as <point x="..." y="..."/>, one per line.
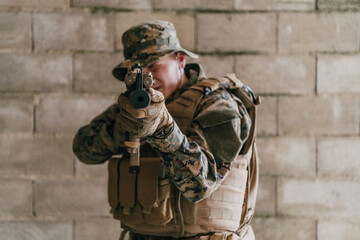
<point x="194" y="72"/>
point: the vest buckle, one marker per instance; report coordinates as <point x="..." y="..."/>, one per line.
<point x="207" y="90"/>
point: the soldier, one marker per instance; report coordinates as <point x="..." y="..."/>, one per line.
<point x="198" y="171"/>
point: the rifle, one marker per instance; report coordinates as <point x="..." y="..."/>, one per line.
<point x="136" y="83"/>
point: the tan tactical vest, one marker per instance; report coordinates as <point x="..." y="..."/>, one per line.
<point x="148" y="203"/>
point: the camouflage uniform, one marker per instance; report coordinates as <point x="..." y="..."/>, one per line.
<point x="196" y="160"/>
<point x="196" y="165"/>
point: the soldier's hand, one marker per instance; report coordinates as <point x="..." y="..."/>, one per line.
<point x="145" y="121"/>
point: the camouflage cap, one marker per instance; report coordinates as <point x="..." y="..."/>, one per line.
<point x="147" y="42"/>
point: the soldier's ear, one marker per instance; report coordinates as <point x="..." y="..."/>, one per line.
<point x="181" y="58"/>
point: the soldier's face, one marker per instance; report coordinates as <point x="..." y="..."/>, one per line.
<point x="168" y="73"/>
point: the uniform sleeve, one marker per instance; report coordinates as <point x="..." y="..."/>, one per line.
<point x="199" y="162"/>
<point x="94" y="143"/>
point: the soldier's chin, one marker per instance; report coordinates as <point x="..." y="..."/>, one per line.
<point x="165" y="93"/>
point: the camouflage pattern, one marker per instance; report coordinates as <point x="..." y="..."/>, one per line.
<point x="94" y="143"/>
<point x="147" y="42"/>
<point x="192" y="162"/>
<point x="199" y="162"/>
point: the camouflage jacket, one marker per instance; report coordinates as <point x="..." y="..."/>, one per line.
<point x="196" y="162"/>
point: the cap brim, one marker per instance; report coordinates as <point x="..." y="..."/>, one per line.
<point x="190" y="54"/>
<point x="120" y="70"/>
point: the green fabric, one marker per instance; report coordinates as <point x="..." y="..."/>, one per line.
<point x="216" y="117"/>
<point x="219" y="126"/>
<point x="228" y="150"/>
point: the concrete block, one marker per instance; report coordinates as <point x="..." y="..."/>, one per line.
<point x="79" y="31"/>
<point x="15" y="30"/>
<point x="287" y="156"/>
<point x="35" y="3"/>
<point x="265" y="201"/>
<point x="319" y="198"/>
<point x="67" y="114"/>
<point x="16" y="114"/>
<point x="339" y="157"/>
<point x="278" y="74"/>
<point x="72" y="197"/>
<point x="338" y="5"/>
<point x="331" y="230"/>
<point x="35" y="72"/>
<point x="30" y="230"/>
<point x="249" y="32"/>
<point x="267" y="116"/>
<point x="284" y="229"/>
<point x="184" y="25"/>
<point x="93" y="73"/>
<point x="118" y="4"/>
<point x="275" y="5"/>
<point x="90" y="169"/>
<point x="45" y="156"/>
<point x="15" y="198"/>
<point x="338" y="74"/>
<point x="194" y="4"/>
<point x="98" y="228"/>
<point x="318" y="115"/>
<point x="215" y="65"/>
<point x="310" y="32"/>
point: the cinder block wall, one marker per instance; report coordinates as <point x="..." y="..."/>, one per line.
<point x="302" y="57"/>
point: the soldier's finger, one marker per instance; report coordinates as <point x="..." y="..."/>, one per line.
<point x="156" y="96"/>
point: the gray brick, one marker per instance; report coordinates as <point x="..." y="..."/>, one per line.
<point x="194" y="4"/>
<point x="93" y="73"/>
<point x="284" y="229"/>
<point x="15" y="198"/>
<point x="35" y="3"/>
<point x="36" y="156"/>
<point x="338" y="74"/>
<point x="15" y="30"/>
<point x="266" y="117"/>
<point x="119" y="4"/>
<point x="95" y="229"/>
<point x="265" y="201"/>
<point x="338" y="5"/>
<point x="184" y="25"/>
<point x="215" y="65"/>
<point x="278" y="74"/>
<point x="318" y="115"/>
<point x="275" y="5"/>
<point x="72" y="197"/>
<point x="287" y="156"/>
<point x="79" y="31"/>
<point x="331" y="230"/>
<point x="16" y="114"/>
<point x="26" y="230"/>
<point x="319" y="198"/>
<point x="67" y="114"/>
<point x="236" y="32"/>
<point x="310" y="32"/>
<point x="91" y="169"/>
<point x="339" y="157"/>
<point x="35" y="72"/>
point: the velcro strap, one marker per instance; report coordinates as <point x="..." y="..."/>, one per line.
<point x="127" y="183"/>
<point x="211" y="83"/>
<point x="147" y="187"/>
<point x="113" y="180"/>
<point x="183" y="108"/>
